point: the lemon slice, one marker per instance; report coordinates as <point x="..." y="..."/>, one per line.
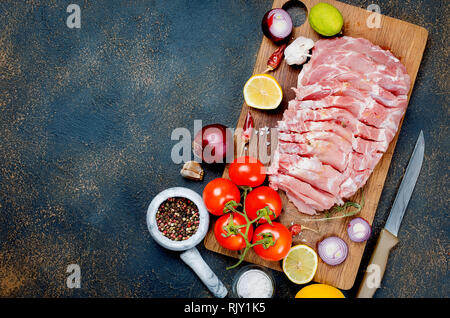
<point x="262" y="91"/>
<point x="300" y="264"/>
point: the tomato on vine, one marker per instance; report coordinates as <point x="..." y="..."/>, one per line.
<point x="275" y="241"/>
<point x="219" y="192"/>
<point x="259" y="199"/>
<point x="234" y="230"/>
<point x="227" y="228"/>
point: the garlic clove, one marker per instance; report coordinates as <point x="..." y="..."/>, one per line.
<point x="298" y="51"/>
<point x="192" y="170"/>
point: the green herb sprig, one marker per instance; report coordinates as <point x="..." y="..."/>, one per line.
<point x="330" y="215"/>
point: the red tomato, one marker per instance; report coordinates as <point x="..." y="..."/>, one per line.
<point x="234" y="242"/>
<point x="261" y="197"/>
<point x="281" y="236"/>
<point x="218" y="192"/>
<point x="247" y="171"/>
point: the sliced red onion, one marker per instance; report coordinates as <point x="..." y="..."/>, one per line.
<point x="277" y="25"/>
<point x="333" y="250"/>
<point x="359" y="230"/>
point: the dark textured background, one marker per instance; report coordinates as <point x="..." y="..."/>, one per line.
<point x="85" y="122"/>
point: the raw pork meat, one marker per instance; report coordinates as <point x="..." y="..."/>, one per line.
<point x="350" y="99"/>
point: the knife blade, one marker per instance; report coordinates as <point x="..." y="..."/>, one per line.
<point x="388" y="236"/>
<point x="406" y="187"/>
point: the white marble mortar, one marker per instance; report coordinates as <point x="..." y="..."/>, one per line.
<point x="191" y="256"/>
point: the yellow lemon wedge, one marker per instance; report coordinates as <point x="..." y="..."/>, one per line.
<point x="262" y="91"/>
<point x="319" y="291"/>
<point x="300" y="264"/>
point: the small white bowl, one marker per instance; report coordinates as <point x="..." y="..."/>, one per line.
<point x="165" y="241"/>
<point x="244" y="270"/>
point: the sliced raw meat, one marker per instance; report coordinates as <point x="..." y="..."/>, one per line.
<point x="353" y="181"/>
<point x="364" y="46"/>
<point x="325" y="151"/>
<point x="311" y="126"/>
<point x="339" y="133"/>
<point x="360" y="162"/>
<point x="364" y="146"/>
<point x="304" y="194"/>
<point x="358" y="171"/>
<point x="350" y="100"/>
<point x="343" y="145"/>
<point x="340" y="117"/>
<point x="361" y="64"/>
<point x="369" y="112"/>
<point x="294" y="197"/>
<point x="358" y="88"/>
<point x="344" y="73"/>
<point x="358" y="56"/>
<point x="311" y="170"/>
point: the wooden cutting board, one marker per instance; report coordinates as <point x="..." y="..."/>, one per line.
<point x="406" y="41"/>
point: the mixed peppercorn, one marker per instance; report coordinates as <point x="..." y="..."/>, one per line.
<point x="178" y="218"/>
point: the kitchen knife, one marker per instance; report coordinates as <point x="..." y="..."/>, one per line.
<point x="388" y="236"/>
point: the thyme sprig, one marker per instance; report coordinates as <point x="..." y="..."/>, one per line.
<point x="330" y="215"/>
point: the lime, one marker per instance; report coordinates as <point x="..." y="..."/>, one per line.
<point x="325" y="19"/>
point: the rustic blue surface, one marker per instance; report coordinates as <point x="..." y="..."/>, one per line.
<point x="85" y="122"/>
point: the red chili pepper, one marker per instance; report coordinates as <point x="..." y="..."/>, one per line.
<point x="276" y="58"/>
<point x="295" y="229"/>
<point x="248" y="127"/>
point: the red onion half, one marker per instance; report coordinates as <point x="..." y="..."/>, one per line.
<point x="359" y="230"/>
<point x="277" y="25"/>
<point x="333" y="250"/>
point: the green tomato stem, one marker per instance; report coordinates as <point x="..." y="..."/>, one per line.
<point x="266" y="241"/>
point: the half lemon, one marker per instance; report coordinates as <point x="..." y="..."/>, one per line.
<point x="262" y="91"/>
<point x="300" y="265"/>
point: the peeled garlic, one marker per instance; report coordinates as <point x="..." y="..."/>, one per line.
<point x="298" y="51"/>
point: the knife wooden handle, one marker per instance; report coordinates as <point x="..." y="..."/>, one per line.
<point x="377" y="266"/>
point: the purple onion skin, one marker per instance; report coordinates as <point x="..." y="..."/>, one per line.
<point x="265" y="24"/>
<point x="217" y="140"/>
<point x="366" y="225"/>
<point x="321" y="252"/>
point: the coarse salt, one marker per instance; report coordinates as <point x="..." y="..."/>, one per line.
<point x="254" y="283"/>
